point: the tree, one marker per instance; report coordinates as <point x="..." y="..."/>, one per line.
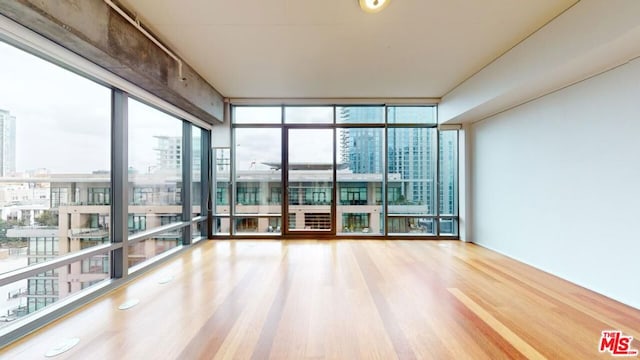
<point x="3" y="228"/>
<point x="47" y="218"/>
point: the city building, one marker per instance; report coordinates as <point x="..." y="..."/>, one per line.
<point x="169" y="153"/>
<point x="360" y="148"/>
<point x="411" y="150"/>
<point x="7" y="143"/>
<point x="78" y="209"/>
<point x="359" y="207"/>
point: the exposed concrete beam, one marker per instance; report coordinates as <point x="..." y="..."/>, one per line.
<point x="94" y="31"/>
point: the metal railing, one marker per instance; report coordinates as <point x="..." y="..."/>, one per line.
<point x="66" y="259"/>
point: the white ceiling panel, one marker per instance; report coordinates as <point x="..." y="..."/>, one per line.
<point x="317" y="49"/>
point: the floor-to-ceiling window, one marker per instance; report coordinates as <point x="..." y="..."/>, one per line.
<point x="360" y="170"/>
<point x="448" y="186"/>
<point x="222" y="191"/>
<point x="309" y="180"/>
<point x="155" y="175"/>
<point x="257" y="186"/>
<point x="343" y="170"/>
<point x="95" y="184"/>
<point x="54" y="180"/>
<point x="411" y="170"/>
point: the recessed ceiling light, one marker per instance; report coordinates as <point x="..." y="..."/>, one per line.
<point x="373" y="6"/>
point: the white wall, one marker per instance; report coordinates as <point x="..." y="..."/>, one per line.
<point x="556" y="183"/>
<point x="590" y="37"/>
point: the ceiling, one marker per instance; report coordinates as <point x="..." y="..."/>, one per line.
<point x="332" y="49"/>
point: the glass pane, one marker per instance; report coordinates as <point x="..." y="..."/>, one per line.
<point x="27" y="296"/>
<point x="359" y="223"/>
<point x="222" y="169"/>
<point x="308" y="115"/>
<point x="411" y="115"/>
<point x="222" y="225"/>
<point x="258" y="185"/>
<point x="411" y="173"/>
<point x="155" y="167"/>
<point x="257" y="115"/>
<point x="448" y="227"/>
<point x="198" y="230"/>
<point x="448" y="172"/>
<point x="310" y="178"/>
<point x="55" y="140"/>
<point x="360" y="173"/>
<point x="196" y="159"/>
<point x="263" y="225"/>
<point x="147" y="249"/>
<point x="360" y="114"/>
<point x="411" y="225"/>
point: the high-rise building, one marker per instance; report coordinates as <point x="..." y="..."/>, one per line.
<point x="448" y="162"/>
<point x="169" y="153"/>
<point x="7" y="143"/>
<point x="410" y="150"/>
<point x="361" y="148"/>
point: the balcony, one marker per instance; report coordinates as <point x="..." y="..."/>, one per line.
<point x="88" y="233"/>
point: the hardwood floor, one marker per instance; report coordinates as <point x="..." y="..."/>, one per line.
<point x="340" y="300"/>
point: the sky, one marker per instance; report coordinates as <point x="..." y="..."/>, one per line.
<point x="63" y="123"/>
<point x="255" y="146"/>
<point x="63" y="119"/>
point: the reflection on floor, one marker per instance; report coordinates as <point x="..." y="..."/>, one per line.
<point x="340" y="300"/>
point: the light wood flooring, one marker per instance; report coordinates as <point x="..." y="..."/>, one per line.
<point x="360" y="299"/>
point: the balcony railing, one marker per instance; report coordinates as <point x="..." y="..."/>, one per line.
<point x="88" y="233"/>
<point x="22" y="292"/>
